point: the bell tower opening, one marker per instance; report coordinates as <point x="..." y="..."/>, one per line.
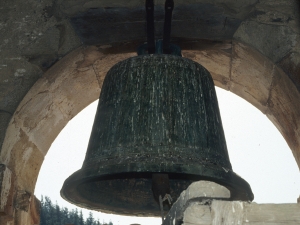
<point x="257" y="152"/>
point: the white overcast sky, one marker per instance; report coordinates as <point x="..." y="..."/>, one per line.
<point x="257" y="151"/>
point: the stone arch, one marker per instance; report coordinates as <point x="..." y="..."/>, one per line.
<point x="75" y="81"/>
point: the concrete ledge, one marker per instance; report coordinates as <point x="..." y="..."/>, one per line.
<point x="241" y="213"/>
<point x="202" y="192"/>
<point x="204" y="203"/>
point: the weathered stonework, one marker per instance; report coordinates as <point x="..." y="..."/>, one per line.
<point x="204" y="203"/>
<point x="272" y="41"/>
<point x="22" y="200"/>
<point x="29" y="213"/>
<point x="216" y="59"/>
<point x="291" y="66"/>
<point x="192" y="200"/>
<point x="283" y="110"/>
<point x="251" y="75"/>
<point x="6" y="191"/>
<point x="251" y="48"/>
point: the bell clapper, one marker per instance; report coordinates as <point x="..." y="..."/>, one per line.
<point x="161" y="200"/>
<point x="161" y="209"/>
<point x="169" y="198"/>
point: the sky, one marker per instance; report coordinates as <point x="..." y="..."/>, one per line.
<point x="257" y="151"/>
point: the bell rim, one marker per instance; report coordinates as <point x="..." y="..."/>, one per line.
<point x="238" y="187"/>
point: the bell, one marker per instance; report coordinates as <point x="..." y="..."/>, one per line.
<point x="156" y="114"/>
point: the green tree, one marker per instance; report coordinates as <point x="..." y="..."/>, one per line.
<point x="49" y="211"/>
<point x="65" y="216"/>
<point x="81" y="220"/>
<point x="90" y="219"/>
<point x="76" y="217"/>
<point x="42" y="211"/>
<point x="55" y="215"/>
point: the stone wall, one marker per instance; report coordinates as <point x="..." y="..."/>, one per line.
<point x="250" y="47"/>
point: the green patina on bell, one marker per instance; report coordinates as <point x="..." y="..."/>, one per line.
<point x="156" y="114"/>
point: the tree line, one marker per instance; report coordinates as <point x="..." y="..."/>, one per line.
<point x="53" y="214"/>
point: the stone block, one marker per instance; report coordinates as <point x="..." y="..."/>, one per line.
<point x="277" y="12"/>
<point x="283" y="110"/>
<point x="274" y="214"/>
<point x="202" y="192"/>
<point x="18" y="77"/>
<point x="6" y="220"/>
<point x="227" y="212"/>
<point x="56" y="98"/>
<point x="128" y="23"/>
<point x="18" y="153"/>
<point x="217" y="62"/>
<point x="27" y="209"/>
<point x="205" y="189"/>
<point x="251" y="75"/>
<point x="35" y="210"/>
<point x="291" y="66"/>
<point x="68" y="38"/>
<point x="273" y="41"/>
<point x="197" y="213"/>
<point x="22" y="200"/>
<point x="46" y="43"/>
<point x="219" y="212"/>
<point x="6" y="191"/>
<point x="4" y="121"/>
<point x="103" y="64"/>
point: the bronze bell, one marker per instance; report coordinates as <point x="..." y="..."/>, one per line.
<point x="156" y="114"/>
